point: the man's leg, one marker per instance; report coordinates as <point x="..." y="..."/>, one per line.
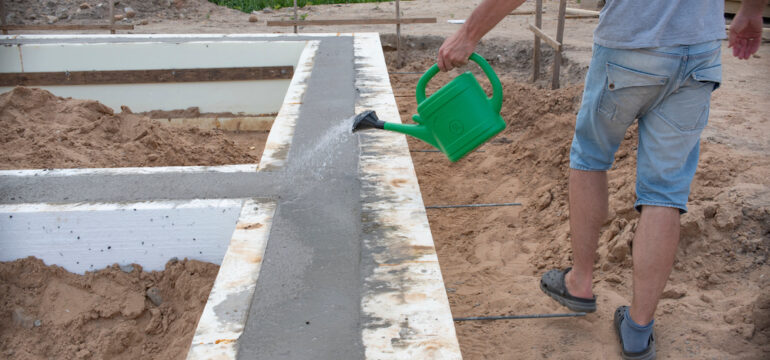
<point x="654" y="249"/>
<point x="588" y="211"/>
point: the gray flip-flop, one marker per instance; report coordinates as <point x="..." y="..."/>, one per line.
<point x="646" y="354"/>
<point x="552" y="283"/>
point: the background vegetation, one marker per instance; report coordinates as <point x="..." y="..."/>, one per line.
<point x="251" y="5"/>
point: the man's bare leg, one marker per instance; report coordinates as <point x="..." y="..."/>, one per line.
<point x="587" y="213"/>
<point x="655" y="244"/>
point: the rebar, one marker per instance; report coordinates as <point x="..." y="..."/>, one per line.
<point x="516" y="317"/>
<point x="471" y="205"/>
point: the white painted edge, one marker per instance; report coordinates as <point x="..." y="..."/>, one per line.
<point x="104" y="206"/>
<point x="131" y="170"/>
<point x="224" y="316"/>
<point x="167" y="37"/>
<point x="407" y="314"/>
<point x="279" y="140"/>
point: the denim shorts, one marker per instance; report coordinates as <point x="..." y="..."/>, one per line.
<point x="668" y="89"/>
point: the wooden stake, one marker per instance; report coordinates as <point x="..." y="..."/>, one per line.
<point x="398" y="34"/>
<point x="112" y="15"/>
<point x="2" y="16"/>
<point x="295" y="16"/>
<point x="536" y="52"/>
<point x="559" y="38"/>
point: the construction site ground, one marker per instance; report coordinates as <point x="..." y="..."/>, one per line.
<point x="717" y="302"/>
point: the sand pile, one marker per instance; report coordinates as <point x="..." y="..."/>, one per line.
<point x="716" y="303"/>
<point x="41" y="130"/>
<point x="49" y="313"/>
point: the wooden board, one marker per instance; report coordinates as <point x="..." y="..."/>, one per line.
<point x="67" y="27"/>
<point x="554" y="44"/>
<point x="352" y="22"/>
<point x="145" y="76"/>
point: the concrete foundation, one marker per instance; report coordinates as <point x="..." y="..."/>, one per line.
<point x="331" y="256"/>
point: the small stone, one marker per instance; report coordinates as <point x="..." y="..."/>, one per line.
<point x="173" y="260"/>
<point x="451" y="290"/>
<point x="706" y="299"/>
<point x="267" y="11"/>
<point x="37" y="323"/>
<point x="673" y="293"/>
<point x="130" y="12"/>
<point x="85" y="6"/>
<point x="51" y="19"/>
<point x="153" y="294"/>
<point x="253" y="18"/>
<point x="152" y="157"/>
<point x="126" y="268"/>
<point x="709" y="211"/>
<point x="144" y="22"/>
<point x="119" y="17"/>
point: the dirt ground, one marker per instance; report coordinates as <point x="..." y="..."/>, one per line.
<point x="717" y="303"/>
<point x="106" y="314"/>
<point x="41" y="130"/>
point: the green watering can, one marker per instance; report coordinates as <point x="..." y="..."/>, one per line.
<point x="456" y="119"/>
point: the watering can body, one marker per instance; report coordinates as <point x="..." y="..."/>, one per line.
<point x="459" y="117"/>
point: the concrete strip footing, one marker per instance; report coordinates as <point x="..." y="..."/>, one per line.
<point x="332" y="256"/>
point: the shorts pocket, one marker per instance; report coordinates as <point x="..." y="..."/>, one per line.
<point x="711" y="74"/>
<point x="629" y="92"/>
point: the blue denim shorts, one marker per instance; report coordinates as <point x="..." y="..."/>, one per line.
<point x="668" y="89"/>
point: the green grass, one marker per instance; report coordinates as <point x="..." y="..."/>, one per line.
<point x="251" y="5"/>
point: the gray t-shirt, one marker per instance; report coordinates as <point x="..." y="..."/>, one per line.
<point x="635" y="24"/>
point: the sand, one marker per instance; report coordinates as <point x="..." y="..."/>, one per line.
<point x="41" y="130"/>
<point x="716" y="303"/>
<point x="49" y="313"/>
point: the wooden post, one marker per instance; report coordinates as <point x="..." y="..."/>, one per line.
<point x="112" y="14"/>
<point x="2" y="16"/>
<point x="559" y="38"/>
<point x="398" y="35"/>
<point x="295" y="16"/>
<point x="536" y="52"/>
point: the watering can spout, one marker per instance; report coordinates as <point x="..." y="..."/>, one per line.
<point x="369" y="120"/>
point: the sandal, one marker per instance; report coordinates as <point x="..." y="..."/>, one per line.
<point x="646" y="354"/>
<point x="552" y="283"/>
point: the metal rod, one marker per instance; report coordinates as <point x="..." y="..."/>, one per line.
<point x="471" y="205"/>
<point x="295" y="16"/>
<point x="431" y="151"/>
<point x="408" y="72"/>
<point x="514" y="317"/>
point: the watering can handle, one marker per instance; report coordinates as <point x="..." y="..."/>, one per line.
<point x="497" y="89"/>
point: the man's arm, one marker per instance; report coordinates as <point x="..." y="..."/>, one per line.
<point x="746" y="29"/>
<point x="457" y="48"/>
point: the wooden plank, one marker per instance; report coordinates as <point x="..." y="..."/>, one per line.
<point x="398" y="34"/>
<point x="539" y="33"/>
<point x="536" y="52"/>
<point x="67" y="27"/>
<point x="112" y="15"/>
<point x="573" y="11"/>
<point x="146" y="76"/>
<point x="352" y="22"/>
<point x="559" y="39"/>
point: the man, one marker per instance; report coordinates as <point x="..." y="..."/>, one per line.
<point x="656" y="61"/>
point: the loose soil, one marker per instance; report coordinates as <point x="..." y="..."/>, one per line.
<point x="41" y="130"/>
<point x="49" y="313"/>
<point x="717" y="303"/>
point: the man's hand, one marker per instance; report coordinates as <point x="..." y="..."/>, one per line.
<point x="455" y="51"/>
<point x="458" y="48"/>
<point x="746" y="29"/>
